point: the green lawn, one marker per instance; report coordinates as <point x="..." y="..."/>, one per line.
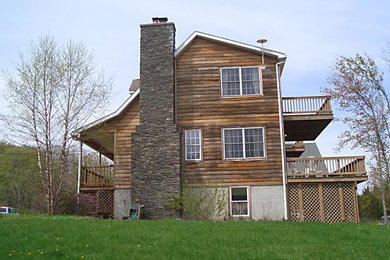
<point x="72" y="237"/>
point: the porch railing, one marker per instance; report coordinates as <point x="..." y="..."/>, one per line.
<point x="97" y="175"/>
<point x="309" y="105"/>
<point x="326" y="166"/>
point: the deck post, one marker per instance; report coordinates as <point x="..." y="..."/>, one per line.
<point x="342" y="205"/>
<point x="80" y="163"/>
<point x="321" y="196"/>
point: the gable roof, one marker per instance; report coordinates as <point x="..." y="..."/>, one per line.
<point x="222" y="40"/>
<point x="109" y="116"/>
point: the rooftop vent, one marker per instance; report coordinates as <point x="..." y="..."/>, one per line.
<point x="160" y="19"/>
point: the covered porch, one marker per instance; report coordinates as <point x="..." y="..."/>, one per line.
<point x="107" y="178"/>
<point x="96" y="174"/>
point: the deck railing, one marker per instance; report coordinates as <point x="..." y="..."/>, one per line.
<point x="326" y="166"/>
<point x="309" y="105"/>
<point x="97" y="176"/>
<point x="294" y="144"/>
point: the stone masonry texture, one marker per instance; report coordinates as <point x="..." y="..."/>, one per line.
<point x="155" y="152"/>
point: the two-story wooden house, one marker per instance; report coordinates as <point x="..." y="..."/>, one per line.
<point x="211" y="112"/>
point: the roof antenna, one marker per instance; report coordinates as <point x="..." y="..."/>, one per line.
<point x="262" y="41"/>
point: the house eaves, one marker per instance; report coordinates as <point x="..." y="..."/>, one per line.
<point x="253" y="48"/>
<point x="105" y="118"/>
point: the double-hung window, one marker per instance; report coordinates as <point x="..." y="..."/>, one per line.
<point x="193" y="143"/>
<point x="239" y="205"/>
<point x="240" y="81"/>
<point x="244" y="143"/>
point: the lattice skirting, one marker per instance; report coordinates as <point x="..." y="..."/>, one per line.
<point x="325" y="202"/>
<point x="105" y="202"/>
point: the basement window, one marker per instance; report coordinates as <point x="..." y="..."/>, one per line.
<point x="239" y="206"/>
<point x="242" y="143"/>
<point x="193" y="145"/>
<point x="240" y="81"/>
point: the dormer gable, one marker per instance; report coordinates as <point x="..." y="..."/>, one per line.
<point x="221" y="40"/>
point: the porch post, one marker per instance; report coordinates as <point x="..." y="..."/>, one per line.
<point x="80" y="163"/>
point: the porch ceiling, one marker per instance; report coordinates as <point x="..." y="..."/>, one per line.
<point x="100" y="140"/>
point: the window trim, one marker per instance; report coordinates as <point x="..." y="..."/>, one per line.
<point x="247" y="201"/>
<point x="243" y="142"/>
<point x="200" y="145"/>
<point x="239" y="71"/>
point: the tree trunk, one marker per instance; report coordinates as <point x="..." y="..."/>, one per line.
<point x="384" y="207"/>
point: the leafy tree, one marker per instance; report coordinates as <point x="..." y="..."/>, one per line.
<point x="19" y="178"/>
<point x="358" y="89"/>
<point x="54" y="91"/>
<point x="369" y="205"/>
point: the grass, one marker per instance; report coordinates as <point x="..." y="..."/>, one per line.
<point x="72" y="237"/>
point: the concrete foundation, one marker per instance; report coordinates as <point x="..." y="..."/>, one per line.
<point x="267" y="202"/>
<point x="122" y="200"/>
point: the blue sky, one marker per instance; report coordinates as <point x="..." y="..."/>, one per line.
<point x="311" y="33"/>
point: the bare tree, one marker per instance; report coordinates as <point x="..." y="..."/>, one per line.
<point x="54" y="91"/>
<point x="358" y="90"/>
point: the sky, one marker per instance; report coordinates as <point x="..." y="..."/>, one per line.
<point x="311" y="33"/>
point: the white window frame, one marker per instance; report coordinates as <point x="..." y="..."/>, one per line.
<point x="239" y="71"/>
<point x="247" y="201"/>
<point x="200" y="144"/>
<point x="243" y="143"/>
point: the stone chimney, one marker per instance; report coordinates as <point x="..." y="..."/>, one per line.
<point x="155" y="151"/>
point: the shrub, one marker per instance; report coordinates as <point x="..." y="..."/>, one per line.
<point x="200" y="202"/>
<point x="370" y="207"/>
<point x="85" y="204"/>
<point x="79" y="204"/>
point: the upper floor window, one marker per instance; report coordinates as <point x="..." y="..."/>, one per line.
<point x="193" y="144"/>
<point x="240" y="81"/>
<point x="243" y="143"/>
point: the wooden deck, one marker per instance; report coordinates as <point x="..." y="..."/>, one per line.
<point x="324" y="188"/>
<point x="97" y="178"/>
<point x="326" y="169"/>
<point x="306" y="117"/>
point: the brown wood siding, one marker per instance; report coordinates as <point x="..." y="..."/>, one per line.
<point x="200" y="106"/>
<point x="124" y="125"/>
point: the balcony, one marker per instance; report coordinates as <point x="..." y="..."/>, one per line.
<point x="324" y="169"/>
<point x="97" y="177"/>
<point x="306" y="117"/>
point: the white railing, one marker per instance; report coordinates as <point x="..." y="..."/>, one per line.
<point x="326" y="166"/>
<point x="314" y="104"/>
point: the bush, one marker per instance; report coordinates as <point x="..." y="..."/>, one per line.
<point x="85" y="204"/>
<point x="200" y="202"/>
<point x="370" y="207"/>
<point x="79" y="204"/>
